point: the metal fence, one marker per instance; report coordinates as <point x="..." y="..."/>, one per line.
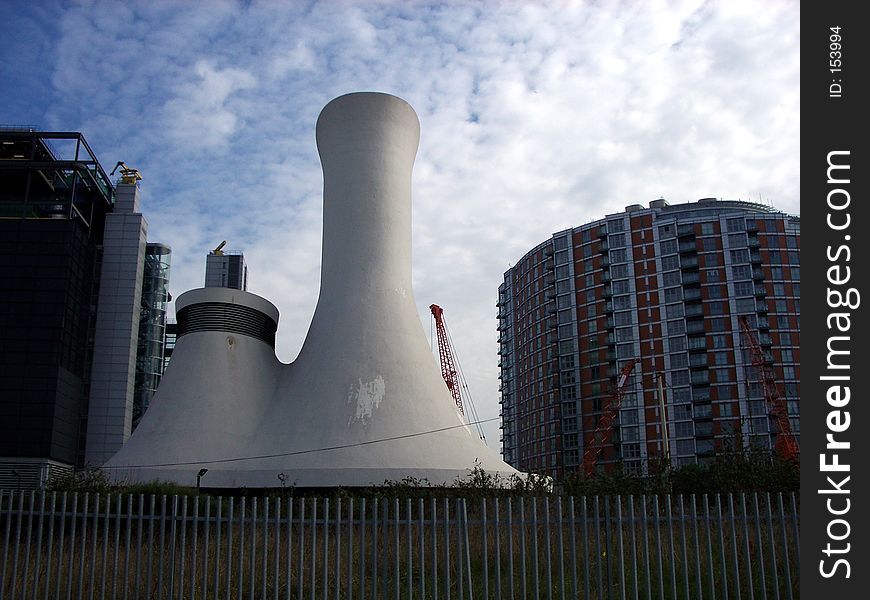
<point x="68" y="545"/>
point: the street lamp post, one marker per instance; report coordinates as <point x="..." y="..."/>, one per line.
<point x="199" y="477"/>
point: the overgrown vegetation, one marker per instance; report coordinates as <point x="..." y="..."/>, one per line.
<point x="729" y="472"/>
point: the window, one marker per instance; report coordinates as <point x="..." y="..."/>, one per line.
<point x="631" y="450"/>
<point x="712" y="275"/>
<point x="712" y="260"/>
<point x="740" y="256"/>
<point x="684" y="429"/>
<point x="708" y="244"/>
<point x="617" y="240"/>
<point x="741" y="271"/>
<point x="624" y="334"/>
<point x="676" y="327"/>
<point x="671" y="278"/>
<point x="745" y="305"/>
<point x="619" y="271"/>
<point x="561" y="257"/>
<point x="628" y="417"/>
<point x="677" y="343"/>
<point x="744" y="288"/>
<point x="621" y="287"/>
<point x="707" y="229"/>
<point x="724" y="376"/>
<point x="562" y="272"/>
<point x="560" y="243"/>
<point x="668" y="246"/>
<point x="736" y="240"/>
<point x="735" y="224"/>
<point x="629" y="434"/>
<point x="703" y="410"/>
<point x="720" y="341"/>
<point x="625" y="350"/>
<point x="685" y="447"/>
<point x="622" y="318"/>
<point x="617" y="256"/>
<point x="674" y="310"/>
<point x="679" y="360"/>
<point x="673" y="294"/>
<point x="679" y="378"/>
<point x="681" y="411"/>
<point x="670" y="262"/>
<point x="615" y="226"/>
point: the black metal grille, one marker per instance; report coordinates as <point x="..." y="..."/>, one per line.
<point x="232" y="318"/>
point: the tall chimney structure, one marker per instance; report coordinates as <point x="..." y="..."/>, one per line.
<point x="364" y="402"/>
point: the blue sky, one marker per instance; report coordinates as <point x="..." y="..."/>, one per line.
<point x="535" y="117"/>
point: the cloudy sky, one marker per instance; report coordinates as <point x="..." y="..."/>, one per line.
<point x="535" y="117"/>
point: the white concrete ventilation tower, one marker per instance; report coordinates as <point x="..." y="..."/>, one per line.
<point x="364" y="402"/>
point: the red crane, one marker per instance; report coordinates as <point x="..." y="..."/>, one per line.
<point x="785" y="443"/>
<point x="445" y="353"/>
<point x="601" y="435"/>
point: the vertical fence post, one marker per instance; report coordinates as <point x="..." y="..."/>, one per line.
<point x="760" y="543"/>
<point x="242" y="514"/>
<point x="276" y="574"/>
<point x="746" y="548"/>
<point x="218" y="526"/>
<point x="646" y="561"/>
<point x="496" y="525"/>
<point x="709" y="534"/>
<point x="722" y="555"/>
<point x="446" y="549"/>
<point x="362" y="549"/>
<point x="734" y="546"/>
<point x="633" y="524"/>
<point x="685" y="552"/>
<point x="784" y="546"/>
<point x="252" y="567"/>
<point x="484" y="534"/>
<point x="48" y="549"/>
<point x="672" y="553"/>
<point x="433" y="512"/>
<point x="183" y="551"/>
<point x="38" y="566"/>
<point x="410" y="549"/>
<point x="289" y="559"/>
<point x="510" y="525"/>
<point x="621" y="550"/>
<point x="265" y="569"/>
<point x="523" y="547"/>
<point x="697" y="546"/>
<point x="596" y="512"/>
<point x="561" y="522"/>
<point x="467" y="549"/>
<point x="586" y="572"/>
<point x="772" y="546"/>
<point x="206" y="524"/>
<point x="549" y="555"/>
<point x="194" y="544"/>
<point x="572" y="523"/>
<point x="6" y="539"/>
<point x="173" y="529"/>
<point x="228" y="562"/>
<point x="421" y="529"/>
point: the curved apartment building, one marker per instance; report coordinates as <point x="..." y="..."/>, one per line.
<point x="666" y="285"/>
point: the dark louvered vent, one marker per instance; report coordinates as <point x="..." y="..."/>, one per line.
<point x="232" y="318"/>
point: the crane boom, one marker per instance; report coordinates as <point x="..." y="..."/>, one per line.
<point x="785" y="443"/>
<point x="448" y="367"/>
<point x="601" y="435"/>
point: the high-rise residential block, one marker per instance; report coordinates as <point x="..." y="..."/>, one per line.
<point x="667" y="285"/>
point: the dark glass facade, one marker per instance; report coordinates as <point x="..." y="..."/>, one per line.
<point x="52" y="211"/>
<point x="666" y="285"/>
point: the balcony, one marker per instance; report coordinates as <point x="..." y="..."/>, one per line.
<point x="757" y="274"/>
<point x="689" y="262"/>
<point x="753" y="242"/>
<point x="548" y="251"/>
<point x="755" y="257"/>
<point x="760" y="292"/>
<point x="690" y="294"/>
<point x="549" y="265"/>
<point x="690" y="278"/>
<point x="603" y="247"/>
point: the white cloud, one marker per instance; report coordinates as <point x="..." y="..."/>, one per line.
<point x="534" y="118"/>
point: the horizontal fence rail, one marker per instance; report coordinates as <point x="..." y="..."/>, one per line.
<point x="91" y="546"/>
